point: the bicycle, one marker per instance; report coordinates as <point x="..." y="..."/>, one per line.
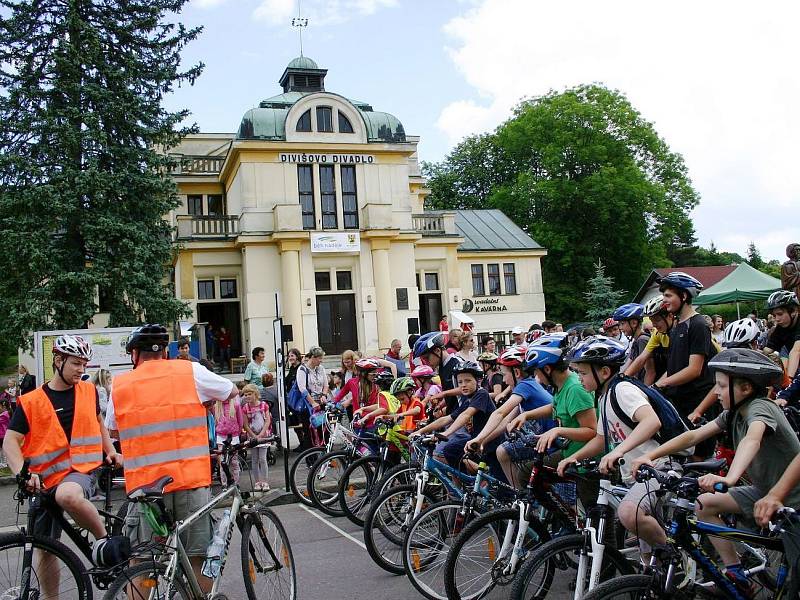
<point x="492" y="548"/>
<point x="673" y="571"/>
<point x="338" y="433"/>
<point x="390" y="515"/>
<point x="358" y="483"/>
<point x="428" y="540"/>
<point x="160" y="569"/>
<point x="20" y="572"/>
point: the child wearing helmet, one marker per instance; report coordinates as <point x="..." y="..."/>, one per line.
<point x="431" y="349"/>
<point x="492" y="377"/>
<point x="785" y="337"/>
<point x="423" y="376"/>
<point x="469" y="417"/>
<point x="763" y="439"/>
<point x="630" y="317"/>
<point x="653" y="359"/>
<point x="527" y="394"/>
<point x="411" y="410"/>
<point x="688" y="379"/>
<point x="597" y="362"/>
<point x="573" y="407"/>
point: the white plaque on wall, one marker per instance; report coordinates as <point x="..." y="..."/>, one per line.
<point x="335" y="241"/>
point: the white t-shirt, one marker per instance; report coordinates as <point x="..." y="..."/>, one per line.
<point x="210" y="388"/>
<point x="630" y="399"/>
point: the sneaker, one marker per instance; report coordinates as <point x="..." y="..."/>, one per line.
<point x="110" y="551"/>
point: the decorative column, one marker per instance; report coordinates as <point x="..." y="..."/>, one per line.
<point x="383" y="290"/>
<point x="290" y="289"/>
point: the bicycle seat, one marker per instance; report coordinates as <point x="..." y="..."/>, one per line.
<point x="707" y="466"/>
<point x="151" y="490"/>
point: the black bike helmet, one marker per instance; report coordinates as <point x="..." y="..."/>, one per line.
<point x="782" y="299"/>
<point x="384" y="379"/>
<point x="469" y="367"/>
<point x="149" y="338"/>
<point x="748" y="364"/>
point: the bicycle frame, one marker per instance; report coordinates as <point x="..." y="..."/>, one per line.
<point x="610" y="496"/>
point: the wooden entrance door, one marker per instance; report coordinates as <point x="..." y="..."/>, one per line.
<point x="336" y="323"/>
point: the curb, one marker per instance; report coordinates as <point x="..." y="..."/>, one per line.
<point x="8" y="480"/>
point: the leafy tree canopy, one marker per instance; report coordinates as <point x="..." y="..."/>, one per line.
<point x="83" y="188"/>
<point x="587" y="177"/>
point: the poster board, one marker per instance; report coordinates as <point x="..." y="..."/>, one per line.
<point x="108" y="347"/>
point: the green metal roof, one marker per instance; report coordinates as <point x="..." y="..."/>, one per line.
<point x="268" y="120"/>
<point x="302" y="62"/>
<point x="491" y="229"/>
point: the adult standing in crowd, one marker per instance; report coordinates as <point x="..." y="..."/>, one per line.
<point x="518" y="336"/>
<point x="718" y="329"/>
<point x="211" y="343"/>
<point x="294" y="358"/>
<point x="454" y="337"/>
<point x="257" y="368"/>
<point x="489" y="345"/>
<point x="348" y="370"/>
<point x="312" y="382"/>
<point x="393" y="355"/>
<point x="140" y="404"/>
<point x="26" y="381"/>
<point x="224" y="346"/>
<point x="443" y="324"/>
<point x="102" y="381"/>
<point x="468" y="351"/>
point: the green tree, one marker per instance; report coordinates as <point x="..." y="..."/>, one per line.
<point x="587" y="177"/>
<point x="754" y="257"/>
<point x="601" y="297"/>
<point x="84" y="181"/>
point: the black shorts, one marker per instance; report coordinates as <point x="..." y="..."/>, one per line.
<point x="45" y="524"/>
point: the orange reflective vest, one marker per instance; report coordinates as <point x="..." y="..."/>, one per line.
<point x="45" y="445"/>
<point x="163" y="427"/>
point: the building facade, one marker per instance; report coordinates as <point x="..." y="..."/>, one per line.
<point x="319" y="199"/>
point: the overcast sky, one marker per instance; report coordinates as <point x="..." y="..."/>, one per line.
<point x="720" y="80"/>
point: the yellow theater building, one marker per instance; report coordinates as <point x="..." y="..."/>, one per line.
<point x="319" y="198"/>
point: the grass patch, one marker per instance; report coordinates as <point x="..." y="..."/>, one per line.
<point x="5" y="471"/>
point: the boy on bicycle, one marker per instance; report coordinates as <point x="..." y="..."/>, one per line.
<point x="762" y="439"/>
<point x="597" y="361"/>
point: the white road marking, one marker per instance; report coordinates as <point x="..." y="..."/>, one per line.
<point x="332" y="526"/>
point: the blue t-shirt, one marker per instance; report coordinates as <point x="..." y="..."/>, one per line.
<point x="534" y="396"/>
<point x="483" y="405"/>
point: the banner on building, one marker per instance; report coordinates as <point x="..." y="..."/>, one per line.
<point x="108" y="350"/>
<point x="336" y="242"/>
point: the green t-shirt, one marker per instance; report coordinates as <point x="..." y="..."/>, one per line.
<point x="568" y="402"/>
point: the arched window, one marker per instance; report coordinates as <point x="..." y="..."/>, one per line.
<point x="344" y="124"/>
<point x="304" y="122"/>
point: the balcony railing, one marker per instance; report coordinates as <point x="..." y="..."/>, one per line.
<point x="438" y="223"/>
<point x="197" y="165"/>
<point x="214" y="227"/>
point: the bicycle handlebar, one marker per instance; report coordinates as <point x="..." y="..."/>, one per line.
<point x="228" y="448"/>
<point x="674" y="482"/>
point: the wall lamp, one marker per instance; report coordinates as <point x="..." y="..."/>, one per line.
<point x="308" y="301"/>
<point x="369" y="299"/>
<point x="455" y="298"/>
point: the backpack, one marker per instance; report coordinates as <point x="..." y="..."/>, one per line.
<point x="295" y="399"/>
<point x="672" y="425"/>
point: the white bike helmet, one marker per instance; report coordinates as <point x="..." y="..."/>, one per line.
<point x="72" y="345"/>
<point x="740" y="334"/>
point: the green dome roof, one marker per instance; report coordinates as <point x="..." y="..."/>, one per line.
<point x="302" y="62"/>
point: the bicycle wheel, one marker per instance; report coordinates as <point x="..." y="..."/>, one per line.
<point x="426" y="545"/>
<point x="323" y="481"/>
<point x="629" y="587"/>
<point x="298" y="473"/>
<point x="145" y="581"/>
<point x="56" y="571"/>
<point x="402" y="474"/>
<point x="553" y="569"/>
<point x="477" y="560"/>
<point x="386" y="522"/>
<point x="356" y="486"/>
<point x="267" y="561"/>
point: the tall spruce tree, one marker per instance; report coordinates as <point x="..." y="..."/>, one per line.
<point x="84" y="179"/>
<point x="601" y="297"/>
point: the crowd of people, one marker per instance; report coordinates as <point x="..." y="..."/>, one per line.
<point x="657" y="384"/>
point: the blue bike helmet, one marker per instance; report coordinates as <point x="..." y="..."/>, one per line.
<point x="628" y="311"/>
<point x="548" y="350"/>
<point x="427" y="342"/>
<point x="681" y="281"/>
<point x="598" y="350"/>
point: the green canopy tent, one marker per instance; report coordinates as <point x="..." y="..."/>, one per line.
<point x="744" y="283"/>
